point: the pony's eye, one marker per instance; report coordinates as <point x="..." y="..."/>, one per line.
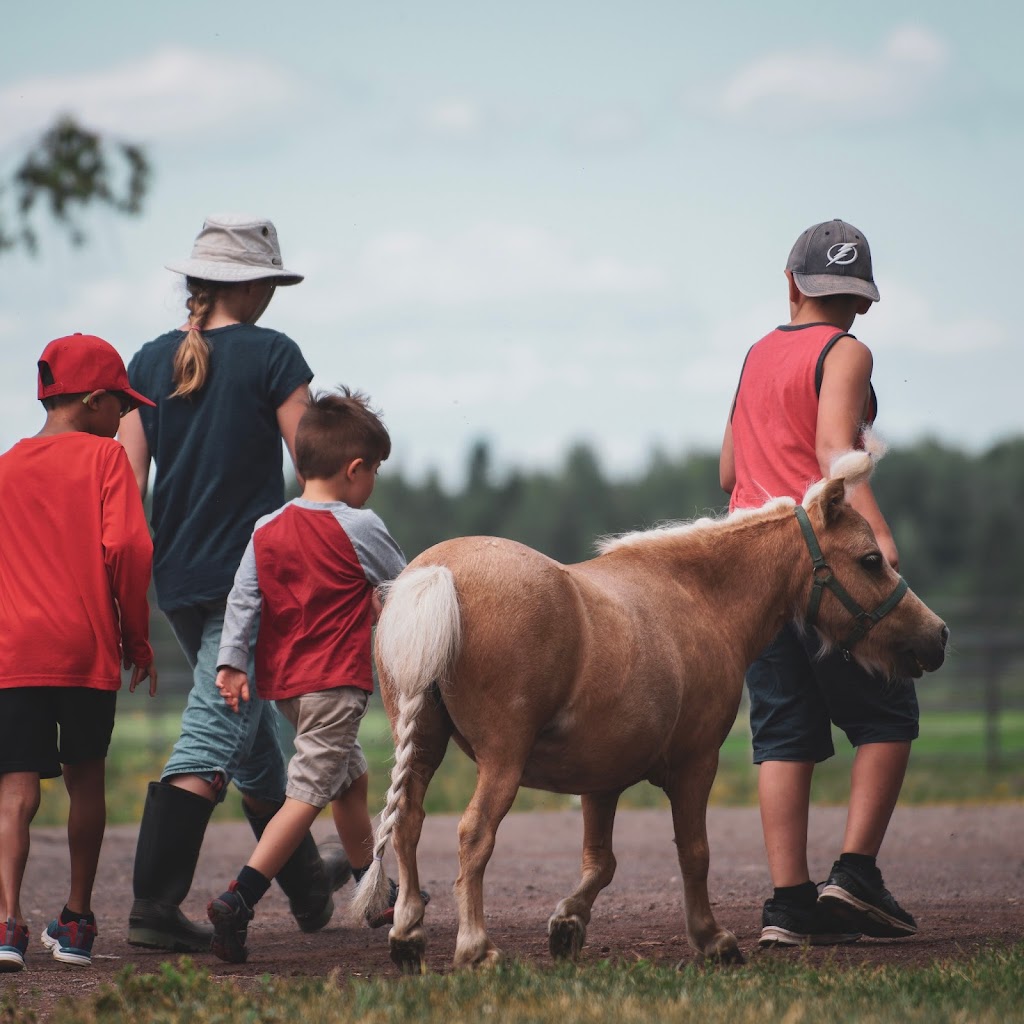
<point x="873" y="562"/>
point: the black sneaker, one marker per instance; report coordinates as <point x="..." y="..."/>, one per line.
<point x="230" y="916"/>
<point x="790" y="924"/>
<point x="861" y="899"/>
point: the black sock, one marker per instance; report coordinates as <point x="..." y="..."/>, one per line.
<point x="858" y="861"/>
<point x="251" y="885"/>
<point x="67" y="916"/>
<point x="802" y="895"/>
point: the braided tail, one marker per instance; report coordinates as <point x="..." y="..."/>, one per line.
<point x="417" y="640"/>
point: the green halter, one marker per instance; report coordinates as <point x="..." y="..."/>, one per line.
<point x="822" y="573"/>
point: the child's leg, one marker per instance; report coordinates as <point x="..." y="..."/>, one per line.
<point x="231" y="912"/>
<point x="784" y="793"/>
<point x="875" y="783"/>
<point x="351" y="816"/>
<point x="19" y="801"/>
<point x="87" y="819"/>
<point x="282" y="836"/>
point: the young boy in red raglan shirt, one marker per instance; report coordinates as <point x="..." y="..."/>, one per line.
<point x="75" y="560"/>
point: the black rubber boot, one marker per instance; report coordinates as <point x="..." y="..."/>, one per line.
<point x="310" y="875"/>
<point x="170" y="837"/>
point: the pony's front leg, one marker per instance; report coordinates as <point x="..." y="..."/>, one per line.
<point x="688" y="792"/>
<point x="567" y="926"/>
<point x="496" y="787"/>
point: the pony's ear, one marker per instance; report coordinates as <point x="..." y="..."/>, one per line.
<point x="831" y="500"/>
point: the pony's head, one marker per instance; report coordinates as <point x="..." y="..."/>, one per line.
<point x="854" y="597"/>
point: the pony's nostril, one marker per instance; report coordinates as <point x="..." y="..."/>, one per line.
<point x="944" y="634"/>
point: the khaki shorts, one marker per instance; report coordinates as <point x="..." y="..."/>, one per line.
<point x="328" y="758"/>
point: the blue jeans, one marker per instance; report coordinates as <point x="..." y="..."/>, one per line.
<point x="215" y="743"/>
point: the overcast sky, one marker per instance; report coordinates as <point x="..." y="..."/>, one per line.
<point x="543" y="222"/>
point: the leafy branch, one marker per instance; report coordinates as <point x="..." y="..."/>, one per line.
<point x="68" y="169"/>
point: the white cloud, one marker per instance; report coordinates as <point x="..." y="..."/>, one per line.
<point x="456" y="118"/>
<point x="608" y="128"/>
<point x="170" y="93"/>
<point x="487" y="262"/>
<point x="908" y="322"/>
<point x="824" y="81"/>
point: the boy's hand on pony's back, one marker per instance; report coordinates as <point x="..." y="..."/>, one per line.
<point x="233" y="685"/>
<point x="141" y="672"/>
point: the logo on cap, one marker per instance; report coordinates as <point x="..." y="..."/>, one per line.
<point x="841" y="253"/>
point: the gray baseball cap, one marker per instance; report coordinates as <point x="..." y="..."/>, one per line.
<point x="833" y="258"/>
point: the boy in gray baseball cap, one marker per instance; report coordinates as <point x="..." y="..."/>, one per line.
<point x="804" y="396"/>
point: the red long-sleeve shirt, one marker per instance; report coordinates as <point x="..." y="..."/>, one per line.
<point x="75" y="562"/>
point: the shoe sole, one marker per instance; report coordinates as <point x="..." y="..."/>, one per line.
<point x="775" y="936"/>
<point x="11" y="961"/>
<point x="869" y="919"/>
<point x="154" y="938"/>
<point x="65" y="956"/>
<point x="225" y="944"/>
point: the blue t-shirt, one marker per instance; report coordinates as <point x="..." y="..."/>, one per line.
<point x="217" y="452"/>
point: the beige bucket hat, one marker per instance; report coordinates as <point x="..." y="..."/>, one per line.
<point x="233" y="247"/>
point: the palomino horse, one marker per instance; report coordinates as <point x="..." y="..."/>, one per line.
<point x="588" y="678"/>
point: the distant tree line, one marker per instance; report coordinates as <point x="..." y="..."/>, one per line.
<point x="955" y="515"/>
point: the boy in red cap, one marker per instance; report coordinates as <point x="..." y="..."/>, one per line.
<point x="75" y="560"/>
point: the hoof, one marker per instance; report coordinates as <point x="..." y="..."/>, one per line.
<point x="407" y="955"/>
<point x="724" y="950"/>
<point x="489" y="957"/>
<point x="566" y="936"/>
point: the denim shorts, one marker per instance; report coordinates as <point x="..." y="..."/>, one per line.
<point x="795" y="697"/>
<point x="328" y="757"/>
<point x="217" y="744"/>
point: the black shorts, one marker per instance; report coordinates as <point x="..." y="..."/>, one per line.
<point x="48" y="726"/>
<point x="795" y="696"/>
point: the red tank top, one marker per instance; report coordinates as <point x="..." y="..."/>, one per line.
<point x="775" y="414"/>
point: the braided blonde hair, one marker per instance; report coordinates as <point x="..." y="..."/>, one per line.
<point x="192" y="359"/>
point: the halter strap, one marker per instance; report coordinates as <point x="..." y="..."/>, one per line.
<point x="864" y="621"/>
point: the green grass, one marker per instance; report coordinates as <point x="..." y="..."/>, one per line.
<point x="948" y="764"/>
<point x="984" y="989"/>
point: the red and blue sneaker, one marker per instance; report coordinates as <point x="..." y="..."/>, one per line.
<point x="13" y="944"/>
<point x="230" y="916"/>
<point x="71" y="942"/>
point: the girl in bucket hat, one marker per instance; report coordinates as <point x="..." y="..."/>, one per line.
<point x="226" y="394"/>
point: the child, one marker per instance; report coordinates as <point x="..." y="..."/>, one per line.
<point x="804" y="395"/>
<point x="227" y="392"/>
<point x="309" y="573"/>
<point x="75" y="559"/>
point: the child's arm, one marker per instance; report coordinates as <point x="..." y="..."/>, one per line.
<point x="240" y="614"/>
<point x="133" y="437"/>
<point x="128" y="555"/>
<point x="845" y="387"/>
<point x="233" y="686"/>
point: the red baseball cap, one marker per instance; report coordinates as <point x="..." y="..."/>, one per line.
<point x="80" y="363"/>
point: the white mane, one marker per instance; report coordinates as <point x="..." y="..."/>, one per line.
<point x="606" y="544"/>
<point x="853" y="466"/>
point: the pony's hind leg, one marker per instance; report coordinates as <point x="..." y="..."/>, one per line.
<point x="688" y="792"/>
<point x="496" y="787"/>
<point x="567" y="926"/>
<point x="407" y="938"/>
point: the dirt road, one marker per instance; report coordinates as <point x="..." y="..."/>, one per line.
<point x="960" y="870"/>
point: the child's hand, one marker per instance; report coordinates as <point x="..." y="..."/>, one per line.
<point x="141" y="672"/>
<point x="234" y="686"/>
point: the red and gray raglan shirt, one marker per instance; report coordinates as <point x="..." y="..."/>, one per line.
<point x="75" y="563"/>
<point x="775" y="414"/>
<point x="307" y="577"/>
